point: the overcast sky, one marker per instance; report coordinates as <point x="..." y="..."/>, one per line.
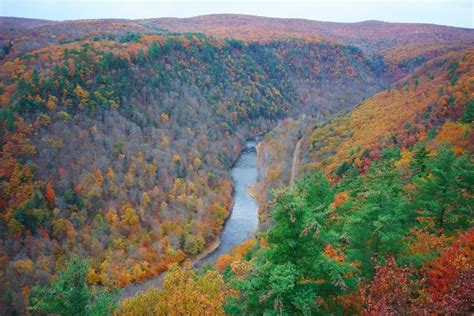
<point x="446" y="12"/>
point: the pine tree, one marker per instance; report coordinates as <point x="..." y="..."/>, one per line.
<point x="468" y="115"/>
<point x="375" y="228"/>
<point x="294" y="270"/>
<point x="418" y="162"/>
<point x="446" y="193"/>
<point x="153" y="51"/>
<point x="70" y="294"/>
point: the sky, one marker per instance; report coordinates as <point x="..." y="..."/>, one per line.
<point x="446" y="12"/>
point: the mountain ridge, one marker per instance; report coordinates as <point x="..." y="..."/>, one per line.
<point x="254" y="28"/>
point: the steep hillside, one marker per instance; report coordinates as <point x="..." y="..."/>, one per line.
<point x="403" y="60"/>
<point x="404" y="46"/>
<point x="415" y="108"/>
<point x="117" y="137"/>
<point x="119" y="151"/>
<point x="391" y="231"/>
<point x="412" y="109"/>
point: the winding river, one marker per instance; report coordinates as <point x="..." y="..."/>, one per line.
<point x="242" y="223"/>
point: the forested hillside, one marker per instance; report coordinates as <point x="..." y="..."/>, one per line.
<point x="118" y="135"/>
<point x="119" y="152"/>
<point x="423" y="106"/>
<point x="381" y="220"/>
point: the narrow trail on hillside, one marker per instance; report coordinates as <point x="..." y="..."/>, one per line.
<point x="296" y="161"/>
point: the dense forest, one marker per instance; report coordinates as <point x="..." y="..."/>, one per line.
<point x="383" y="215"/>
<point x="118" y="137"/>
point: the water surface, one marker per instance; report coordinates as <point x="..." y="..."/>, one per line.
<point x="242" y="223"/>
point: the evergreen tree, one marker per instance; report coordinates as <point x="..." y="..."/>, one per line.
<point x="294" y="270"/>
<point x="70" y="294"/>
<point x="377" y="224"/>
<point x="351" y="182"/>
<point x="153" y="51"/>
<point x="141" y="59"/>
<point x="342" y="168"/>
<point x="446" y="193"/>
<point x="468" y="115"/>
<point x="418" y="162"/>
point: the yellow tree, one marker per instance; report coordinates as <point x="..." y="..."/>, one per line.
<point x="183" y="293"/>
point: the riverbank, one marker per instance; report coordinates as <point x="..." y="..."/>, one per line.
<point x="240" y="224"/>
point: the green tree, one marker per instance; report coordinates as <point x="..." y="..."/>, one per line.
<point x="70" y="294"/>
<point x="377" y="223"/>
<point x="32" y="213"/>
<point x="294" y="270"/>
<point x="154" y="50"/>
<point x="418" y="162"/>
<point x="468" y="115"/>
<point x="445" y="194"/>
<point x="342" y="168"/>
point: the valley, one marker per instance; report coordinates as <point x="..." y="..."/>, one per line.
<point x="128" y="161"/>
<point x="241" y="224"/>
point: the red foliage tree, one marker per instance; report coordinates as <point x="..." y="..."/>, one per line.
<point x="390" y="291"/>
<point x="450" y="278"/>
<point x="50" y="195"/>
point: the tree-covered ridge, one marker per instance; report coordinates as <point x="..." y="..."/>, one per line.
<point x="418" y="107"/>
<point x="370" y="35"/>
<point x="118" y="151"/>
<point x="403" y="60"/>
<point x="24" y="35"/>
<point x="21" y="36"/>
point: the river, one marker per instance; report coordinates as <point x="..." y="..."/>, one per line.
<point x="243" y="220"/>
<point x="242" y="223"/>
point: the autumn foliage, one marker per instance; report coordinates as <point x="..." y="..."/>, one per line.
<point x="183" y="293"/>
<point x="117" y="137"/>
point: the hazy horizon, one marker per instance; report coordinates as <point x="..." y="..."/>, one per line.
<point x="458" y="13"/>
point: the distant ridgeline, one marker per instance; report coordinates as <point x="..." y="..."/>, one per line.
<point x="117" y="136"/>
